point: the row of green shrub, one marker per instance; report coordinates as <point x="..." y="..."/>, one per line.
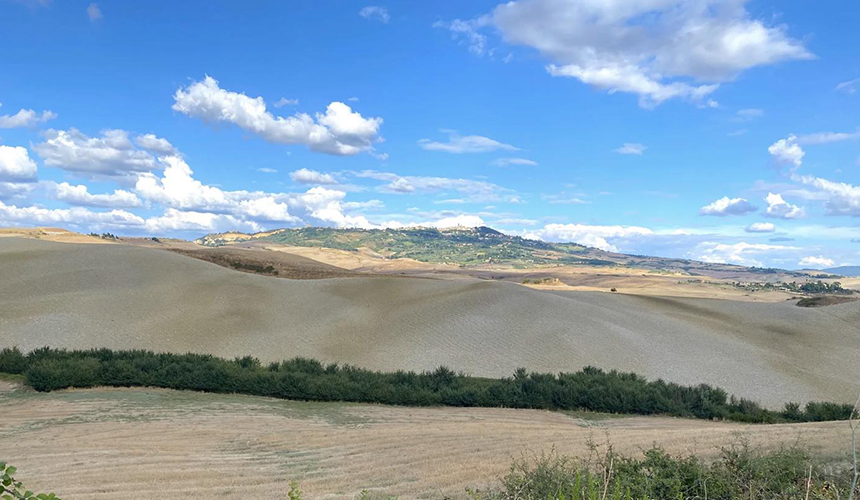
<point x="740" y="472"/>
<point x="591" y="389"/>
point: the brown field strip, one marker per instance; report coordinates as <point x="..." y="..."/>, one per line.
<point x="146" y="443"/>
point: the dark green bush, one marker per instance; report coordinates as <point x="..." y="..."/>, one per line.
<point x="53" y="374"/>
<point x="12" y="361"/>
<point x="307" y="379"/>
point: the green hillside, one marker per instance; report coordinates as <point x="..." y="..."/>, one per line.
<point x="474" y="246"/>
<point x="462" y="246"/>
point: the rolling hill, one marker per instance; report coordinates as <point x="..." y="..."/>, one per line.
<point x="121" y="296"/>
<point x="484" y="246"/>
<point x="462" y="246"/>
<point x="844" y="270"/>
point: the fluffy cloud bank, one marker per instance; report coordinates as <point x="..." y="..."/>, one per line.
<point x="593" y="236"/>
<point x="840" y="198"/>
<point x="75" y="217"/>
<point x="113" y="154"/>
<point x="816" y="262"/>
<point x="656" y="49"/>
<point x="80" y="195"/>
<point x="743" y="253"/>
<point x="338" y="131"/>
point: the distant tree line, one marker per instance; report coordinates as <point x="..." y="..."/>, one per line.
<point x="808" y="287"/>
<point x="590" y="389"/>
<point x="104" y="236"/>
<point x="820" y="287"/>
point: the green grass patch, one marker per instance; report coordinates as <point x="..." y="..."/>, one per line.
<point x="13" y="378"/>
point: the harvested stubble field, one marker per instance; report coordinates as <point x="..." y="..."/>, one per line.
<point x="121" y="297"/>
<point x="143" y="443"/>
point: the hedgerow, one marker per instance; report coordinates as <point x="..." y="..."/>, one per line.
<point x="590" y="389"/>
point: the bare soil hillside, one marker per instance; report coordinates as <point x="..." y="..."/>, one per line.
<point x="118" y="296"/>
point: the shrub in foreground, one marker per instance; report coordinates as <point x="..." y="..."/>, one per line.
<point x="740" y="472"/>
<point x="12" y="489"/>
<point x="590" y="389"/>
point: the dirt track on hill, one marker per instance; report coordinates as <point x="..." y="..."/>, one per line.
<point x="117" y="296"/>
<point x="139" y="444"/>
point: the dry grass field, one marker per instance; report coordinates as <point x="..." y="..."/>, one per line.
<point x="50" y="234"/>
<point x="140" y="444"/>
<point x="120" y="296"/>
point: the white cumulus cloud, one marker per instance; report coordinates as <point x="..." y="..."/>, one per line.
<point x="16" y="165"/>
<point x="656" y="49"/>
<point x="178" y="189"/>
<point x="728" y="206"/>
<point x="840" y="198"/>
<point x="25" y="118"/>
<point x="80" y="195"/>
<point x="157" y="144"/>
<point x="778" y="208"/>
<point x="201" y="222"/>
<point x="338" y="131"/>
<point x="306" y="176"/>
<point x="113" y="154"/>
<point x="787" y="151"/>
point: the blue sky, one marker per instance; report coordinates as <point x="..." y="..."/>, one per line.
<point x="719" y="130"/>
